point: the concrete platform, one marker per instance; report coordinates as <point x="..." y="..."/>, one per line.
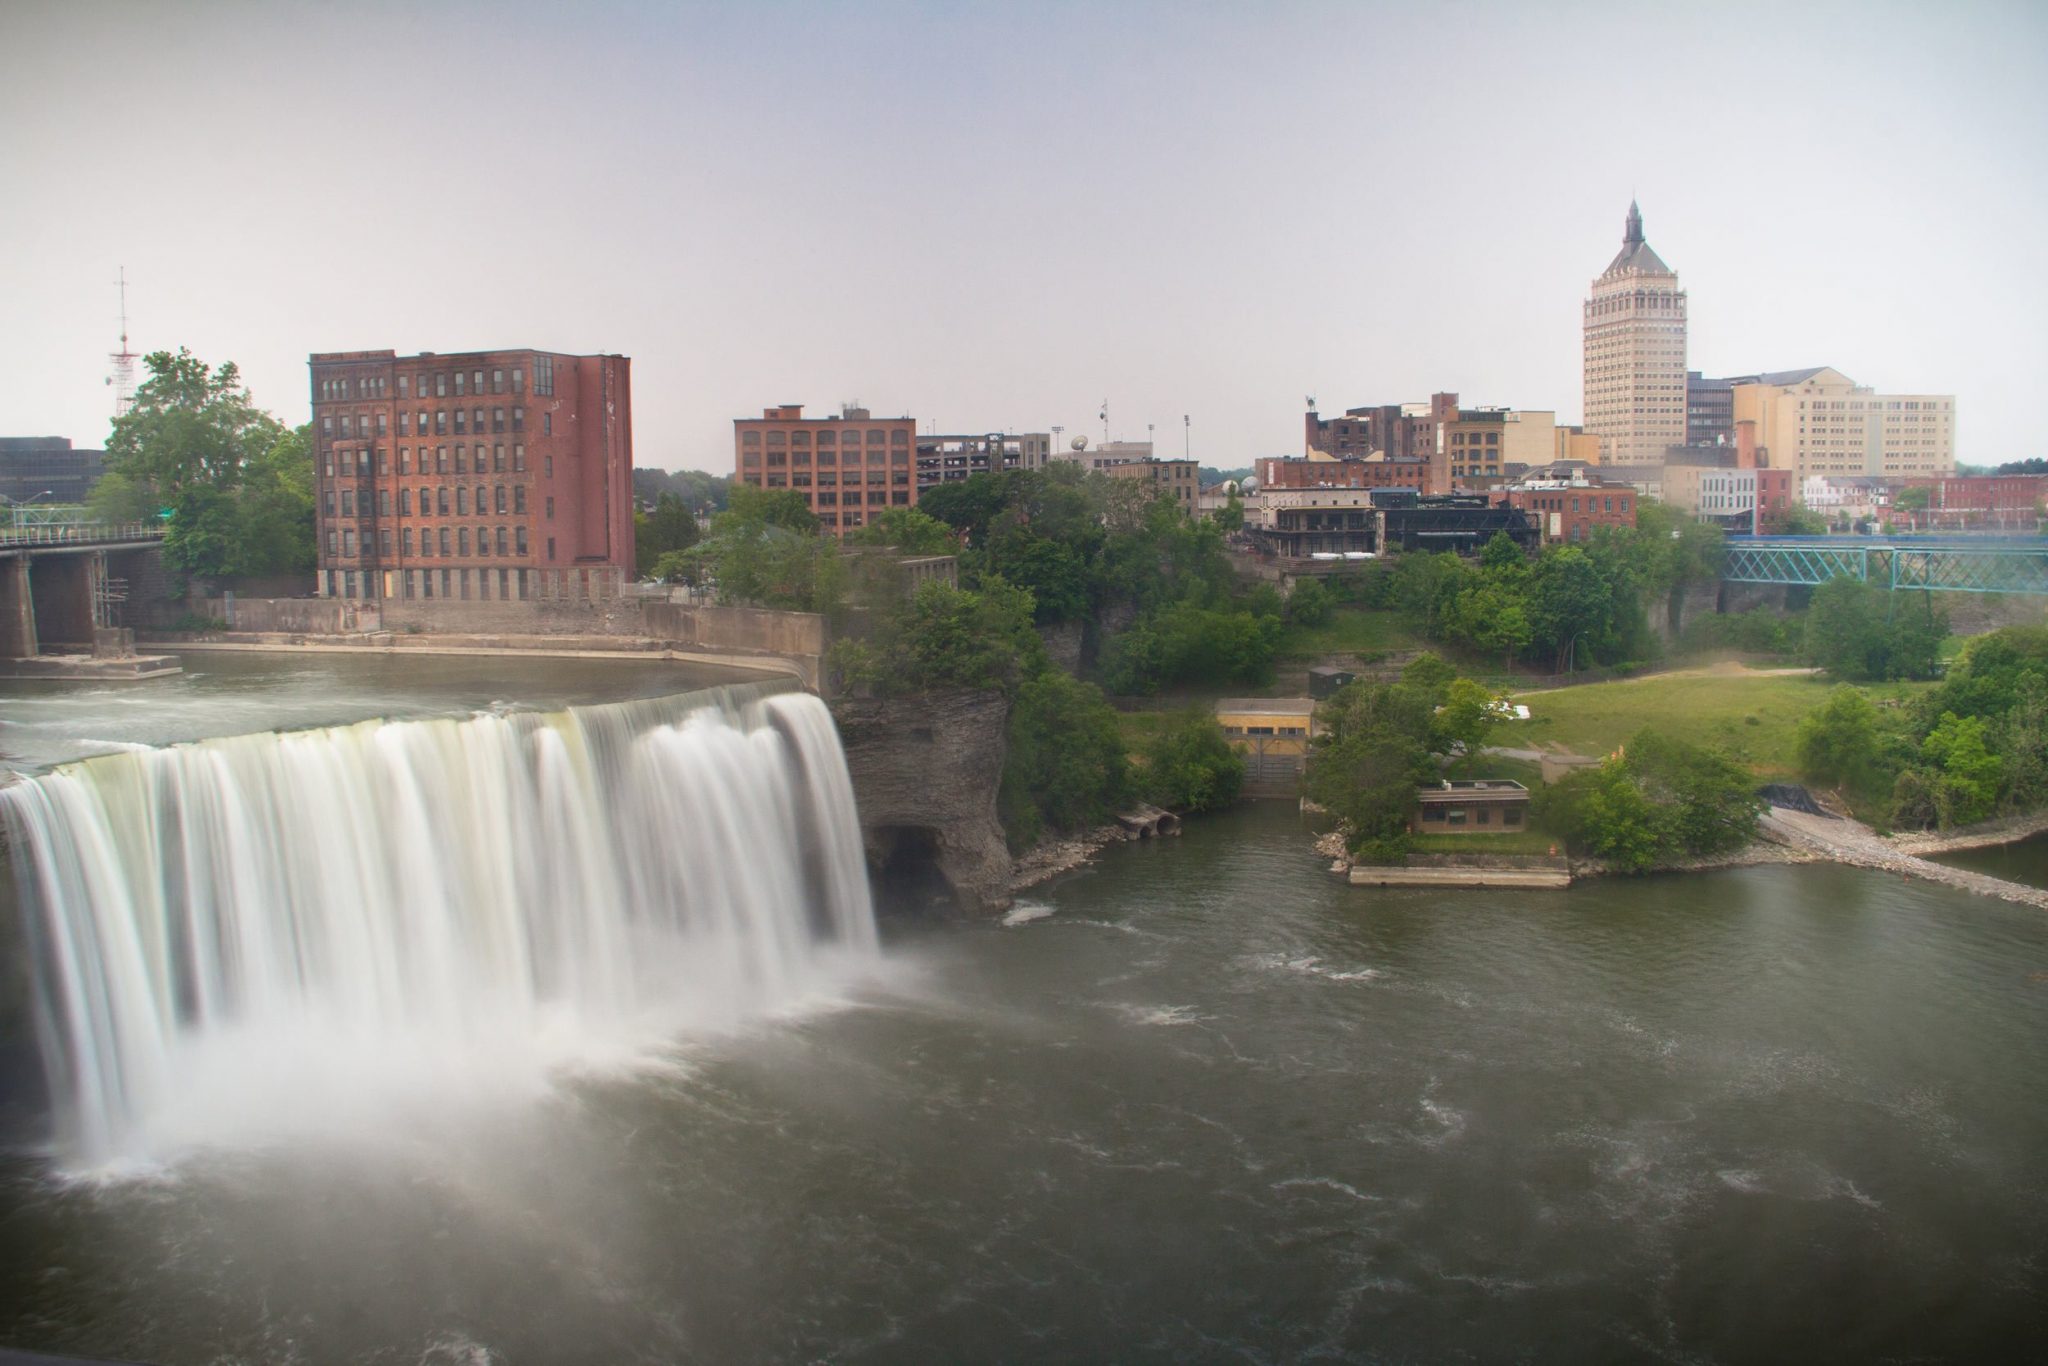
<point x="85" y="668"/>
<point x="1365" y="876"/>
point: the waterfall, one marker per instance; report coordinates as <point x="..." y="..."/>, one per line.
<point x="276" y="931"/>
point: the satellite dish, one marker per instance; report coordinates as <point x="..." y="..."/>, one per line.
<point x="1080" y="443"/>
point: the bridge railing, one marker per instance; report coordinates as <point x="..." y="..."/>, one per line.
<point x="103" y="533"/>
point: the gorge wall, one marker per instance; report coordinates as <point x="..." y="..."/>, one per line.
<point x="925" y="776"/>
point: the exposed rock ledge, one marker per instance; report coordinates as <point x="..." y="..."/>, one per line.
<point x="925" y="774"/>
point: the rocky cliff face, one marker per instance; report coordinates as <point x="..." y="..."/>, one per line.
<point x="925" y="774"/>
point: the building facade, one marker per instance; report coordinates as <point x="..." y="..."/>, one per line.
<point x="1286" y="472"/>
<point x="1736" y="498"/>
<point x="1395" y="430"/>
<point x="2001" y="502"/>
<point x="47" y="469"/>
<point x="949" y="459"/>
<point x="1634" y="378"/>
<point x="1567" y="501"/>
<point x="1180" y="479"/>
<point x="480" y="476"/>
<point x="1709" y="410"/>
<point x="849" y="468"/>
<point x="1820" y="423"/>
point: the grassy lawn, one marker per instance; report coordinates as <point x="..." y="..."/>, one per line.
<point x="1750" y="717"/>
<point x="1350" y="631"/>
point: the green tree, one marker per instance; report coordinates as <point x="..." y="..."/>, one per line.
<point x="1230" y="516"/>
<point x="1970" y="775"/>
<point x="1309" y="604"/>
<point x="1655" y="800"/>
<point x="1838" y="742"/>
<point x="1860" y="632"/>
<point x="1066" y="767"/>
<point x="1792" y="519"/>
<point x="1190" y="764"/>
<point x="784" y="508"/>
<point x="188" y="426"/>
<point x="908" y="531"/>
<point x="670" y="527"/>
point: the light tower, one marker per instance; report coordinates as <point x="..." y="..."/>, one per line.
<point x="123" y="378"/>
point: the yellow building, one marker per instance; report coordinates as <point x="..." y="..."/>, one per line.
<point x="1819" y="422"/>
<point x="1273" y="734"/>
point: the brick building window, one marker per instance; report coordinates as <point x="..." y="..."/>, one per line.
<point x="440" y="422"/>
<point x="519" y="419"/>
<point x="547" y="424"/>
<point x="519" y="539"/>
<point x="501" y="540"/>
<point x="405" y="541"/>
<point x="551" y="547"/>
<point x="405" y="502"/>
<point x="519" y="459"/>
<point x="348" y="502"/>
<point x="544" y="375"/>
<point x="458" y="383"/>
<point x="444" y="545"/>
<point x="383" y="502"/>
<point x="333" y="543"/>
<point x="384" y="541"/>
<point x="497" y="381"/>
<point x="551" y="517"/>
<point x="442" y="499"/>
<point x="462" y="460"/>
<point x="461" y="420"/>
<point x="519" y="498"/>
<point x="498" y="498"/>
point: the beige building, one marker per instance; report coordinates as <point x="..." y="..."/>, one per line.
<point x="1820" y="423"/>
<point x="1635" y="354"/>
<point x="1181" y="478"/>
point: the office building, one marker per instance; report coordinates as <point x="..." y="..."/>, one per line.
<point x="46" y="469"/>
<point x="1819" y="423"/>
<point x="949" y="459"/>
<point x="1634" y="356"/>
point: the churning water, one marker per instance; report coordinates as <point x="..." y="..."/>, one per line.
<point x="248" y="937"/>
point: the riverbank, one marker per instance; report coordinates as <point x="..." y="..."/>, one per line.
<point x="1986" y="835"/>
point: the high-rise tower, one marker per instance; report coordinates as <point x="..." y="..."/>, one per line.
<point x="1635" y="354"/>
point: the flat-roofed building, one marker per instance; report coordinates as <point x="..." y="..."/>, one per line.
<point x="47" y="469"/>
<point x="1567" y="500"/>
<point x="849" y="468"/>
<point x="1818" y="422"/>
<point x="1479" y="806"/>
<point x="487" y="476"/>
<point x="950" y="459"/>
<point x="1273" y="734"/>
<point x="1179" y="479"/>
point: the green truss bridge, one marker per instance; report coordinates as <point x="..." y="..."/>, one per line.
<point x="1945" y="564"/>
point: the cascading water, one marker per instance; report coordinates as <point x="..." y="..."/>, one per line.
<point x="276" y="931"/>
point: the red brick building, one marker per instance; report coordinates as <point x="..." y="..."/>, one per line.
<point x="2007" y="501"/>
<point x="1568" y="499"/>
<point x="1397" y="430"/>
<point x="1276" y="472"/>
<point x="481" y="476"/>
<point x="848" y="467"/>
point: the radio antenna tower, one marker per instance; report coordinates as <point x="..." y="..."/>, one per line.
<point x="123" y="378"/>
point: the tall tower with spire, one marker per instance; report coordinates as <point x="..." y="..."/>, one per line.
<point x="1635" y="354"/>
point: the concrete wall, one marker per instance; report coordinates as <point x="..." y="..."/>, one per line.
<point x="545" y="616"/>
<point x="298" y="616"/>
<point x="749" y="629"/>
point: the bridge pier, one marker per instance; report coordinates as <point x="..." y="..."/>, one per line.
<point x="61" y="589"/>
<point x="17" y="609"/>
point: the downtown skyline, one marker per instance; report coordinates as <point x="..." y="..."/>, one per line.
<point x="995" y="219"/>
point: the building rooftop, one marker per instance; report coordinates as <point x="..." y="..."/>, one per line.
<point x="1267" y="706"/>
<point x="1465" y="790"/>
<point x="1636" y="257"/>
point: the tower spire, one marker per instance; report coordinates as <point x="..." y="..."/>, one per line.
<point x="1633" y="232"/>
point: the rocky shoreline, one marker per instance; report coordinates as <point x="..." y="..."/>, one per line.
<point x="1047" y="859"/>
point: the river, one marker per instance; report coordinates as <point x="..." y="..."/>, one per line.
<point x="1201" y="1101"/>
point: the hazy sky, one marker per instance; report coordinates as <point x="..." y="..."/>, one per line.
<point x="995" y="216"/>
